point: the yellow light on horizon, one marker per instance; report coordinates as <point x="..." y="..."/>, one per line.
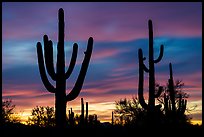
<point x="100" y="109"/>
<point x="196" y="122"/>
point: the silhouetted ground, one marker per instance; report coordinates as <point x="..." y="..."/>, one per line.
<point x="102" y="131"/>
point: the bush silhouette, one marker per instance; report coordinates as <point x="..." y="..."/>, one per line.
<point x="42" y="116"/>
<point x="129" y="112"/>
<point x="8" y="112"/>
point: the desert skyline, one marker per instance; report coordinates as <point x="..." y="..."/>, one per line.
<point x="118" y="30"/>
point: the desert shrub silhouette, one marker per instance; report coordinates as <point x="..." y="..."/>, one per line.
<point x="129" y="112"/>
<point x="42" y="116"/>
<point x="8" y="116"/>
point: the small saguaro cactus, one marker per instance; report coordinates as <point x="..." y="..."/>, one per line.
<point x="82" y="112"/>
<point x="86" y="118"/>
<point x="112" y="119"/>
<point x="82" y="119"/>
<point x="71" y="117"/>
<point x="152" y="95"/>
<point x="60" y="76"/>
<point x="171" y="90"/>
<point x="170" y="102"/>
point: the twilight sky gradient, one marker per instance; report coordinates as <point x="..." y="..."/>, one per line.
<point x="119" y="30"/>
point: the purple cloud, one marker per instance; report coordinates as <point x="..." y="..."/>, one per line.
<point x="104" y="21"/>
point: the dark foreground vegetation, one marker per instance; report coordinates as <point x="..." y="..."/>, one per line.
<point x="101" y="130"/>
<point x="129" y="118"/>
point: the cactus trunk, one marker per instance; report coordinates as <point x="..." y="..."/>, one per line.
<point x="60" y="95"/>
<point x="60" y="106"/>
<point x="151" y="69"/>
<point x="60" y="76"/>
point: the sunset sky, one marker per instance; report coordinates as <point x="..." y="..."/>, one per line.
<point x="118" y="30"/>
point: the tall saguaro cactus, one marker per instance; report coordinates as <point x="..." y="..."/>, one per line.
<point x="60" y="76"/>
<point x="152" y="95"/>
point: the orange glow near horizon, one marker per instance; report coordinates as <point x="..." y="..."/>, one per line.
<point x="104" y="114"/>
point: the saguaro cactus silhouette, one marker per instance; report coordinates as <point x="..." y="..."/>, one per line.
<point x="171" y="89"/>
<point x="82" y="112"/>
<point x="60" y="76"/>
<point x="170" y="101"/>
<point x="112" y="118"/>
<point x="71" y="117"/>
<point x="83" y="120"/>
<point x="86" y="118"/>
<point x="152" y="95"/>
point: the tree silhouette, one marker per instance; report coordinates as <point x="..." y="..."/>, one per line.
<point x="8" y="112"/>
<point x="93" y="120"/>
<point x="42" y="116"/>
<point x="130" y="112"/>
<point x="60" y="76"/>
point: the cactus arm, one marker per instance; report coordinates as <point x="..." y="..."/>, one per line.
<point x="159" y="92"/>
<point x="48" y="50"/>
<point x="160" y="54"/>
<point x="141" y="80"/>
<point x="78" y="85"/>
<point x="145" y="68"/>
<point x="44" y="78"/>
<point x="141" y="98"/>
<point x="72" y="62"/>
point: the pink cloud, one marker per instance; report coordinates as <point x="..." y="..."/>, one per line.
<point x="105" y="53"/>
<point x="105" y="22"/>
